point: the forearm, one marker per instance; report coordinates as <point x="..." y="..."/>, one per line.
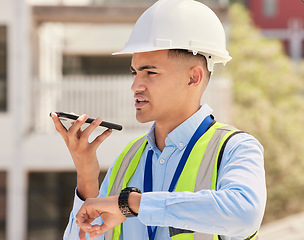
<point x="87" y="188"/>
<point x="87" y="177"/>
<point x="222" y="212"/>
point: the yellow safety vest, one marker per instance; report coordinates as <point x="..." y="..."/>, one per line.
<point x="204" y="159"/>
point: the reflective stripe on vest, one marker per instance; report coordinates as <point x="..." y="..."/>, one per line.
<point x="203" y="159"/>
<point x="122" y="171"/>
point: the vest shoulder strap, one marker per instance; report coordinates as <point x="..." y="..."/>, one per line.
<point x="122" y="163"/>
<point x="225" y="134"/>
<point x="122" y="171"/>
<point x="219" y="159"/>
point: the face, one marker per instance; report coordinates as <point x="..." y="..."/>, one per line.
<point x="160" y="87"/>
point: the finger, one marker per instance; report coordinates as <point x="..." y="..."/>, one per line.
<point x="84" y="224"/>
<point x="83" y="219"/>
<point x="59" y="126"/>
<point x="90" y="229"/>
<point x="76" y="126"/>
<point x="78" y="134"/>
<point x="82" y="234"/>
<point x="87" y="132"/>
<point x="103" y="228"/>
<point x="98" y="140"/>
<point x="95" y="234"/>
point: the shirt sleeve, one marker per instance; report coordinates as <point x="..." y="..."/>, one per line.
<point x="236" y="209"/>
<point x="72" y="229"/>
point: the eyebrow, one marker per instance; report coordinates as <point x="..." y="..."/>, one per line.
<point x="145" y="67"/>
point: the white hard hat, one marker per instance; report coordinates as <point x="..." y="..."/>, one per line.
<point x="179" y="24"/>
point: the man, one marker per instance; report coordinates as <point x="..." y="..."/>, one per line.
<point x="189" y="177"/>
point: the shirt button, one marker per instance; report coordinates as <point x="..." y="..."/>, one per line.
<point x="181" y="144"/>
<point x="162" y="161"/>
<point x="186" y="226"/>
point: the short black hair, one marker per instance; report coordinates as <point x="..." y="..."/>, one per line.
<point x="186" y="54"/>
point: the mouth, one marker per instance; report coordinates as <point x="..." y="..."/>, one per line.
<point x="140" y="102"/>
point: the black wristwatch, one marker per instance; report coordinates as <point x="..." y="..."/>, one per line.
<point x="123" y="201"/>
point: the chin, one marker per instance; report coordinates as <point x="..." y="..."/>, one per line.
<point x="142" y="119"/>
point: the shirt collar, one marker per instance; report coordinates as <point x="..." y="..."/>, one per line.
<point x="151" y="138"/>
<point x="182" y="134"/>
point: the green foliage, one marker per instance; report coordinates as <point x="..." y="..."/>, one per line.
<point x="268" y="95"/>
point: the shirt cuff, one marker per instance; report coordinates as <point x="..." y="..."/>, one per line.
<point x="77" y="203"/>
<point x="152" y="208"/>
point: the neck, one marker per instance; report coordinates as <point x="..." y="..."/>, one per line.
<point x="160" y="136"/>
<point x="162" y="129"/>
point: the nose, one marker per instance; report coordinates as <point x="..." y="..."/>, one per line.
<point x="138" y="84"/>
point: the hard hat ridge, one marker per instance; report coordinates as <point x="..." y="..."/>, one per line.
<point x="179" y="24"/>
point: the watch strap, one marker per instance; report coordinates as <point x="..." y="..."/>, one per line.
<point x="123" y="201"/>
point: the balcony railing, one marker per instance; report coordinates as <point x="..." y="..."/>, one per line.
<point x="109" y="97"/>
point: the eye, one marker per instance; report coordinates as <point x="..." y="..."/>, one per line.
<point x="133" y="73"/>
<point x="151" y="73"/>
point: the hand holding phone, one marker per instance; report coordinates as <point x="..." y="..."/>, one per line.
<point x="74" y="117"/>
<point x="83" y="150"/>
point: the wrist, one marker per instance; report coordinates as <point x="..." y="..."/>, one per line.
<point x="88" y="188"/>
<point x="129" y="201"/>
<point x="134" y="201"/>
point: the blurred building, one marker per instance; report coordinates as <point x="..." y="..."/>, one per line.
<point x="283" y="20"/>
<point x="55" y="55"/>
<point x="289" y="228"/>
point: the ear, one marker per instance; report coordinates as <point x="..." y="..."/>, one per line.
<point x="196" y="75"/>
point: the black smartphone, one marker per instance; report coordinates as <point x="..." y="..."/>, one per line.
<point x="71" y="116"/>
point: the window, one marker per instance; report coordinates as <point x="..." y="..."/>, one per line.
<point x="3" y="68"/>
<point x="96" y="65"/>
<point x="50" y="201"/>
<point x="2" y="204"/>
<point x="270" y="8"/>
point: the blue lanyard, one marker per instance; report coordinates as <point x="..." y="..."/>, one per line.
<point x="148" y="181"/>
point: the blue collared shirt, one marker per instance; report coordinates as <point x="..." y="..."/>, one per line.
<point x="235" y="211"/>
